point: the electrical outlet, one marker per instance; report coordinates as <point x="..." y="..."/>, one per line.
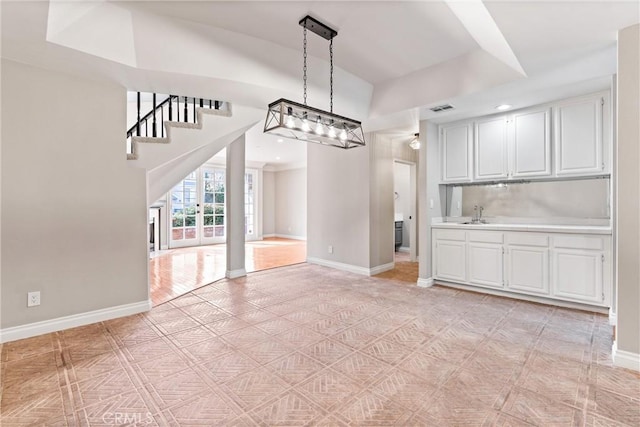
<point x="33" y="299"/>
<point x="330" y="249"/>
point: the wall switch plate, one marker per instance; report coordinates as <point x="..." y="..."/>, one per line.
<point x="430" y="203"/>
<point x="33" y="299"/>
<point x="330" y="249"/>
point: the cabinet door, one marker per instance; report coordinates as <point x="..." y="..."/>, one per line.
<point x="578" y="137"/>
<point x="485" y="265"/>
<point x="577" y="275"/>
<point x="456" y="153"/>
<point x="451" y="260"/>
<point x="531" y="143"/>
<point x="528" y="269"/>
<point x="490" y="145"/>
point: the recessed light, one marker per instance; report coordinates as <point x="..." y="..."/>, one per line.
<point x="503" y="107"/>
<point x="280" y="140"/>
<point x="277" y="158"/>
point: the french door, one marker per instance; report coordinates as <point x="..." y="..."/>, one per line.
<point x="197" y="206"/>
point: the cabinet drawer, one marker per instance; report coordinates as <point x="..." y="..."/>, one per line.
<point x="528" y="239"/>
<point x="457" y="235"/>
<point x="486" y="236"/>
<point x="579" y="242"/>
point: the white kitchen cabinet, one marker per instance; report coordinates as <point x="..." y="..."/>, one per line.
<point x="530" y="143"/>
<point x="450" y="255"/>
<point x="577" y="268"/>
<point x="553" y="265"/>
<point x="490" y="148"/>
<point x="455" y="148"/>
<point x="578" y="125"/>
<point x="486" y="265"/>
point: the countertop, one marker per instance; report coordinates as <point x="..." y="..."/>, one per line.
<point x="543" y="228"/>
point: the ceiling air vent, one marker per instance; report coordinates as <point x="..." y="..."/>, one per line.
<point x="443" y="107"/>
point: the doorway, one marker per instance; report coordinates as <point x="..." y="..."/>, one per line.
<point x="405" y="205"/>
<point x="198" y="212"/>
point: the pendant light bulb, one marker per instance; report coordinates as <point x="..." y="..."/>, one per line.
<point x="332" y="131"/>
<point x="289" y="122"/>
<point x="343" y="135"/>
<point x="319" y="130"/>
<point x="305" y="123"/>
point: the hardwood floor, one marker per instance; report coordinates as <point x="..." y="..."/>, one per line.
<point x="177" y="271"/>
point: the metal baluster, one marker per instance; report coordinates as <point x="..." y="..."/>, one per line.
<point x="146" y="127"/>
<point x="153" y="128"/>
<point x="201" y="102"/>
<point x="209" y="103"/>
<point x="217" y="105"/>
<point x="186" y="113"/>
<point x="162" y="122"/>
<point x="170" y="108"/>
<point x="138" y="123"/>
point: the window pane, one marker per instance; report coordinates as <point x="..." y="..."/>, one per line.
<point x="177" y="234"/>
<point x="208" y="197"/>
<point x="219" y="220"/>
<point x="190" y="221"/>
<point x="208" y="220"/>
<point x="219" y="231"/>
<point x="208" y="232"/>
<point x="189" y="233"/>
<point x="178" y="220"/>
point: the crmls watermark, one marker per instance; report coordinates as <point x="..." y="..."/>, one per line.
<point x="120" y="418"/>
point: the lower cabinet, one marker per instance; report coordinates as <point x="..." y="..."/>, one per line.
<point x="552" y="265"/>
<point x="528" y="263"/>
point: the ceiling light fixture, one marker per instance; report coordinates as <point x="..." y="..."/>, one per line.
<point x="503" y="107"/>
<point x="415" y="142"/>
<point x="299" y="121"/>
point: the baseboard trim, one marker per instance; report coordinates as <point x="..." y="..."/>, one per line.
<point x="525" y="297"/>
<point x="425" y="283"/>
<point x="266" y="236"/>
<point x="625" y="359"/>
<point x="381" y="268"/>
<point x="47" y="326"/>
<point x="234" y="274"/>
<point x="290" y="236"/>
<point x="339" y="266"/>
<point x="404" y="249"/>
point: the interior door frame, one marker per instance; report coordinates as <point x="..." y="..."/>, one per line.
<point x="413" y="205"/>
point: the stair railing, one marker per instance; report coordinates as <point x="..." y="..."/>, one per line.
<point x="170" y="109"/>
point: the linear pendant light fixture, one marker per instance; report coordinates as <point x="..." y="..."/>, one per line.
<point x="299" y="121"/>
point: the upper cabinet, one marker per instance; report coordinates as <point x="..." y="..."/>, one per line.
<point x="530" y="143"/>
<point x="490" y="148"/>
<point x="579" y="136"/>
<point x="564" y="139"/>
<point x="455" y="146"/>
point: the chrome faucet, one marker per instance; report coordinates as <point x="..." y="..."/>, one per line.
<point x="477" y="214"/>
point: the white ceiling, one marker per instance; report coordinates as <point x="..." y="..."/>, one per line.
<point x="394" y="59"/>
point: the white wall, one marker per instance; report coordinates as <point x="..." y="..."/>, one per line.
<point x="381" y="225"/>
<point x="628" y="197"/>
<point x="268" y="203"/>
<point x="74" y="214"/>
<point x="402" y="205"/>
<point x="291" y="203"/>
<point x="338" y="204"/>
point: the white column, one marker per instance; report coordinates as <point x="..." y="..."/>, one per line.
<point x="235" y="209"/>
<point x="626" y="348"/>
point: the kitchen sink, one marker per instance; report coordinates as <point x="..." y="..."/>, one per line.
<point x="482" y="222"/>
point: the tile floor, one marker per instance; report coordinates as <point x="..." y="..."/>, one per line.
<point x="177" y="271"/>
<point x="308" y="345"/>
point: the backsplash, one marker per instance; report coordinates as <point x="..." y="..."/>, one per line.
<point x="583" y="199"/>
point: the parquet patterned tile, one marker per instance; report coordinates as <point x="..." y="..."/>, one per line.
<point x="361" y="368"/>
<point x="288" y="409"/>
<point x="295" y="367"/>
<point x="404" y="388"/>
<point x="307" y="345"/>
<point x="254" y="388"/>
<point x="369" y="409"/>
<point x="177" y="388"/>
<point x="328" y="388"/>
<point x="100" y="388"/>
<point x="539" y="410"/>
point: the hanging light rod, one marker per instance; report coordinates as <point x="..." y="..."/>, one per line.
<point x="312" y="24"/>
<point x="305" y="123"/>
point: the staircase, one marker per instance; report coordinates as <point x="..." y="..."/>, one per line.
<point x="180" y="134"/>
